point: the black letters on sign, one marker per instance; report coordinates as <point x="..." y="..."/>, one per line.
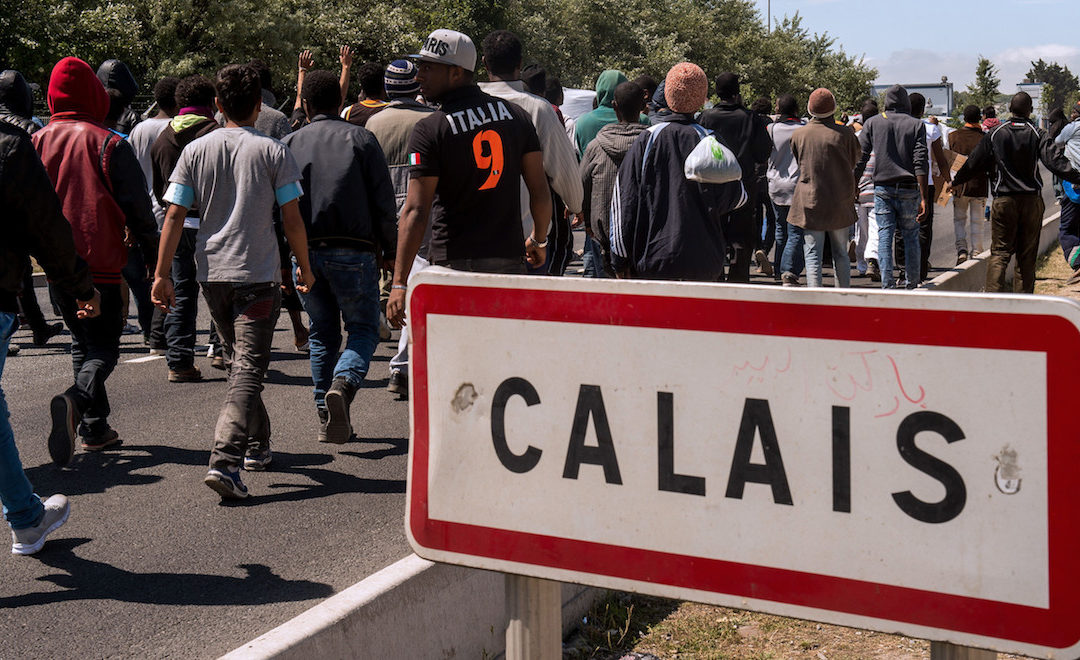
<point x="841" y="459"/>
<point x="757" y="417"/>
<point x="665" y="445"/>
<point x="512" y="387"/>
<point x="955" y="492"/>
<point x="590" y="403"/>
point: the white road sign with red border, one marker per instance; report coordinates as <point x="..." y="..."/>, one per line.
<point x="901" y="462"/>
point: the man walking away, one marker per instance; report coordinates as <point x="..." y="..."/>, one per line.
<point x="195" y="98"/>
<point x="898" y="142"/>
<point x="939" y="167"/>
<point x="600" y="167"/>
<point x="782" y="175"/>
<point x="866" y="227"/>
<point x="502" y="58"/>
<point x="744" y="133"/>
<point x="372" y="95"/>
<point x="32" y="224"/>
<point x="146" y="132"/>
<point x="142" y="139"/>
<point x="1069" y="233"/>
<point x="589" y="124"/>
<point x="235" y="175"/>
<point x="351" y="221"/>
<point x="392" y="127"/>
<point x="114" y="74"/>
<point x="101" y="188"/>
<point x="663" y="225"/>
<point x="1012" y="151"/>
<point x="17" y="109"/>
<point x="827" y="153"/>
<point x="969" y="199"/>
<point x="474" y="206"/>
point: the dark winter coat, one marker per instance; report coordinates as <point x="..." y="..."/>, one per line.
<point x="664" y="226"/>
<point x="33" y="224"/>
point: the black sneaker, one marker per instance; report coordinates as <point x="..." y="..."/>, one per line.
<point x="51" y="330"/>
<point x="65" y="417"/>
<point x="338" y="399"/>
<point x="399" y="383"/>
<point x="961" y="257"/>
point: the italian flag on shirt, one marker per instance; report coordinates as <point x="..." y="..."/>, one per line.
<point x="414" y="159"/>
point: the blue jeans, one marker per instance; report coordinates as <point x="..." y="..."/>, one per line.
<point x="592" y="259"/>
<point x="814" y="249"/>
<point x="1069" y="233"/>
<point x="180" y="322"/>
<point x="22" y="508"/>
<point x="346" y="289"/>
<point x="789" y="244"/>
<point x="897" y="208"/>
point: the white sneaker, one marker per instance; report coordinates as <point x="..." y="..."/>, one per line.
<point x="28" y="541"/>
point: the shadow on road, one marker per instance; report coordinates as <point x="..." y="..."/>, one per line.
<point x="323" y="482"/>
<point x="96" y="472"/>
<point x="84" y="579"/>
<point x="100" y="471"/>
<point x="398" y="447"/>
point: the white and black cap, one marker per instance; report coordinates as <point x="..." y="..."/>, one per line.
<point x="448" y="47"/>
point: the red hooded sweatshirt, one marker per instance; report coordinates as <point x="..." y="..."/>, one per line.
<point x="76" y="150"/>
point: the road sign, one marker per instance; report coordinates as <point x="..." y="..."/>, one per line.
<point x="902" y="462"/>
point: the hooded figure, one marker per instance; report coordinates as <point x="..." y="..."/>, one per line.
<point x="114" y="74"/>
<point x="102" y="192"/>
<point x="589" y="124"/>
<point x="95" y="173"/>
<point x="897" y="140"/>
<point x="659" y="102"/>
<point x="600" y="165"/>
<point x="16" y="101"/>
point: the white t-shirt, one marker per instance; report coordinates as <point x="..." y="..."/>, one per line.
<point x="933" y="132"/>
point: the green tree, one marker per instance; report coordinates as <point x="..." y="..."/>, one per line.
<point x="574" y="39"/>
<point x="985" y="88"/>
<point x="1061" y="84"/>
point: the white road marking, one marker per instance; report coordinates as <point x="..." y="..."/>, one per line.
<point x="147" y="358"/>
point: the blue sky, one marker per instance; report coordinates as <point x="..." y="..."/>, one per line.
<point x="913" y="42"/>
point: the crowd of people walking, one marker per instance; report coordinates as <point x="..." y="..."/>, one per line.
<point x="330" y="209"/>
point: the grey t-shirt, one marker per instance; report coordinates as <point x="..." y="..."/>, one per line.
<point x="142" y="138"/>
<point x="235" y="175"/>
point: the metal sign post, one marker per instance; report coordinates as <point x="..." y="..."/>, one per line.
<point x="902" y="462"/>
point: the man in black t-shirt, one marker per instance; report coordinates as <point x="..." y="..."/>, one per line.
<point x="465" y="163"/>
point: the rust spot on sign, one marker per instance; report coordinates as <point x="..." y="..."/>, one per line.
<point x="464" y="398"/>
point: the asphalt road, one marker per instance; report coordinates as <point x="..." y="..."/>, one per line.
<point x="150" y="563"/>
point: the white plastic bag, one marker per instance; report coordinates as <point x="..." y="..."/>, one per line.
<point x="711" y="162"/>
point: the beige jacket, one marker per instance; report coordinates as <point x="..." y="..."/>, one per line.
<point x="824" y="197"/>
